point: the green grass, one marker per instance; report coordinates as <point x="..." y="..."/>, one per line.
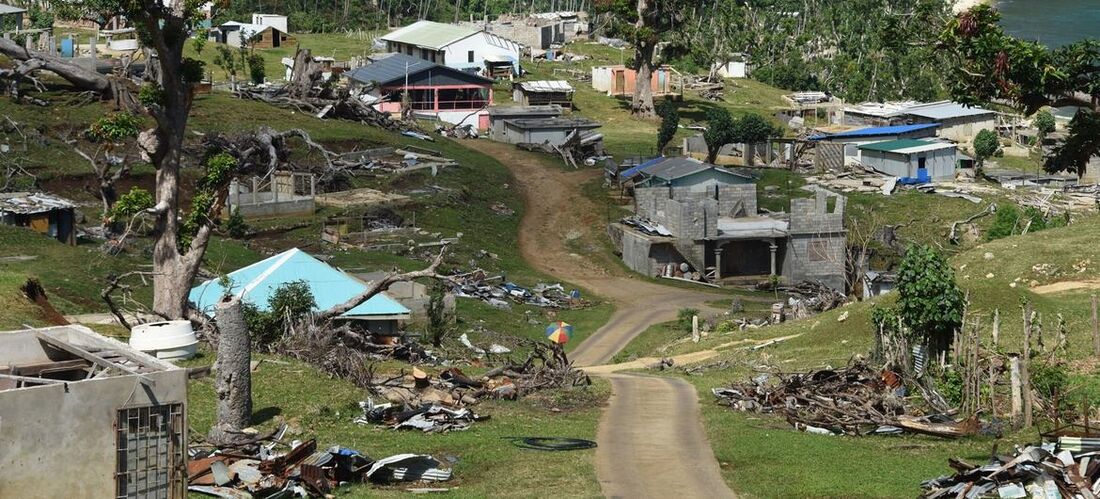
<point x="337" y="45"/>
<point x="488" y="465"/>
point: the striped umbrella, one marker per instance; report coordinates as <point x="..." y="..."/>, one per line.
<point x="559" y="332"/>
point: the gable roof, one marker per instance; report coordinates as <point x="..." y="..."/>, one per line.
<point x="330" y="286"/>
<point x="429" y="34"/>
<point x="392" y="68"/>
<point x="251" y="29"/>
<point x="676" y="168"/>
<point x="10" y="9"/>
<point x="876" y="131"/>
<point x="907" y="146"/>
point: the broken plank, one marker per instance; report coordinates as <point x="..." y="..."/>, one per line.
<point x="28" y="379"/>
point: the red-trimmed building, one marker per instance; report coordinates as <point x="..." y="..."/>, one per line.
<point x="435" y="91"/>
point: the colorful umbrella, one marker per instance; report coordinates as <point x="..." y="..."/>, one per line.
<point x="559" y="332"/>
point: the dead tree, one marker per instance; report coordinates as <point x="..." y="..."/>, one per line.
<point x="233" y="383"/>
<point x="384" y="283"/>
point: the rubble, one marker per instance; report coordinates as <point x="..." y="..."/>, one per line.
<point x="258" y="470"/>
<point x="808" y="298"/>
<point x="1049" y="471"/>
<point x="855" y="400"/>
<point x="477" y="285"/>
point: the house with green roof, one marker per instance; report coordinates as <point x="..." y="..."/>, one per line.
<point x="330" y="287"/>
<point x="460" y="47"/>
<point x="912" y="158"/>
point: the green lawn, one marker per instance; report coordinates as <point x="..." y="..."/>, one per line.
<point x="487" y="464"/>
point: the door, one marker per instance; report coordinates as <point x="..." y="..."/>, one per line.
<point x="275" y="38"/>
<point x="922" y="168"/>
<point x="620" y="82"/>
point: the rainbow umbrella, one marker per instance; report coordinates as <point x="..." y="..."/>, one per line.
<point x="559" y="332"/>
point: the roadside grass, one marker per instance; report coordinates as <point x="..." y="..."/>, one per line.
<point x="316" y="406"/>
<point x="755" y="449"/>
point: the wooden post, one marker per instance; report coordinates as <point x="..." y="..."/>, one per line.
<point x="1095" y="328"/>
<point x="1015" y="381"/>
<point x="1025" y="377"/>
<point x="695" y="329"/>
<point x="996" y="326"/>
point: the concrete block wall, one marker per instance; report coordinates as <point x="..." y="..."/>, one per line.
<point x="693" y="214"/>
<point x="812" y="224"/>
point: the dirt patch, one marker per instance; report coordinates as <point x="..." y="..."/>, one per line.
<point x="1062" y="286"/>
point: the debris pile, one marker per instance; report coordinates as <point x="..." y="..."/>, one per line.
<point x="812" y="297"/>
<point x="1036" y="471"/>
<point x="855" y="400"/>
<point x="259" y="470"/>
<point x="429" y="403"/>
<point x="500" y="294"/>
<point x="646" y="226"/>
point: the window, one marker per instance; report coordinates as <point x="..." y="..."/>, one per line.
<point x="819" y="251"/>
<point x="470" y="56"/>
<point x="150" y="454"/>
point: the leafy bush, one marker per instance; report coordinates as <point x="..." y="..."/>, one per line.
<point x="930" y="304"/>
<point x="683" y="317"/>
<point x="670" y="122"/>
<point x="289" y="303"/>
<point x="1010" y="221"/>
<point x="114" y="127"/>
<point x="235" y="225"/>
<point x="131" y="203"/>
<point x="256" y="70"/>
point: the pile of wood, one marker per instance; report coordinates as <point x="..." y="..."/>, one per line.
<point x="855" y="400"/>
<point x="1046" y="471"/>
<point x="809" y="297"/>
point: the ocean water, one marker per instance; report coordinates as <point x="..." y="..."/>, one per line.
<point x="1051" y="22"/>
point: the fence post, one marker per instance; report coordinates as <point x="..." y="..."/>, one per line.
<point x="1025" y="376"/>
<point x="1095" y="328"/>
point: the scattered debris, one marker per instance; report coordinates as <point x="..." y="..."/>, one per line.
<point x="477" y="285"/>
<point x="257" y="469"/>
<point x="855" y="400"/>
<point x="1047" y="471"/>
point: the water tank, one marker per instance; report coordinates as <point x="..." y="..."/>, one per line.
<point x="169" y="340"/>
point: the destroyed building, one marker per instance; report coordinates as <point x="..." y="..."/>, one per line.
<point x="281" y="193"/>
<point x="696" y="215"/>
<point x="43" y="213"/>
<point x="87" y="416"/>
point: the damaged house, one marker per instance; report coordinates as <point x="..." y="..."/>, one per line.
<point x="694" y="215"/>
<point x="46" y="214"/>
<point x="84" y="415"/>
<point x="459" y="47"/>
<point x="330" y="287"/>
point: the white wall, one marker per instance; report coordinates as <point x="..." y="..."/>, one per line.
<point x="456" y="55"/>
<point x="274" y="20"/>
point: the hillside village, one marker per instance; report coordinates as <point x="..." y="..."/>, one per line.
<point x="547" y="249"/>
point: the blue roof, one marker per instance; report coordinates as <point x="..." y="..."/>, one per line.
<point x="331" y="287"/>
<point x="635" y="170"/>
<point x="877" y="131"/>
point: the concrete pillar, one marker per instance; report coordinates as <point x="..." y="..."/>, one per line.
<point x="695" y="329"/>
<point x="773" y="248"/>
<point x="312" y="185"/>
<point x="717" y="262"/>
<point x="255" y="187"/>
<point x="275" y="187"/>
<point x="92" y="42"/>
<point x="234" y="194"/>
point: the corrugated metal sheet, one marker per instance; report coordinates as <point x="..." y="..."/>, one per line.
<point x="907" y="146"/>
<point x="546" y="86"/>
<point x="429" y="34"/>
<point x="391" y="70"/>
<point x="25" y="203"/>
<point x="877" y="131"/>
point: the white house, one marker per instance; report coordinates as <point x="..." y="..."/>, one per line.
<point x="274" y="20"/>
<point x="465" y="48"/>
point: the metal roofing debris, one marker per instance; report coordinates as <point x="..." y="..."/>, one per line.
<point x="546" y="86"/>
<point x="25" y="203"/>
<point x="940" y="110"/>
<point x="907" y="146"/>
<point x="398" y="67"/>
<point x="429" y="34"/>
<point x="877" y="131"/>
<point x="944" y="110"/>
<point x="330" y="287"/>
<point x="752" y="227"/>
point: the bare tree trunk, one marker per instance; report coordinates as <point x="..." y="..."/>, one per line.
<point x="78" y="76"/>
<point x="644" y="48"/>
<point x="233" y="382"/>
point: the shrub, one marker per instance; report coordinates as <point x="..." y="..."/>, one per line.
<point x="683" y="317"/>
<point x="930" y="304"/>
<point x="235" y="225"/>
<point x="289" y="303"/>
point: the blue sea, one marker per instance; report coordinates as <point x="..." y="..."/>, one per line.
<point x="1051" y="22"/>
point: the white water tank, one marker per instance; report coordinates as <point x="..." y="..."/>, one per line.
<point x="169" y="340"/>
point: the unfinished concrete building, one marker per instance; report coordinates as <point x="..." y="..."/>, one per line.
<point x="84" y="415"/>
<point x="696" y="215"/>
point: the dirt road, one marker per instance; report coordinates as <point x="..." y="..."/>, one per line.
<point x="651" y="443"/>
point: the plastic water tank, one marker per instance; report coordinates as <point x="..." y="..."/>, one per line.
<point x="169" y="340"/>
